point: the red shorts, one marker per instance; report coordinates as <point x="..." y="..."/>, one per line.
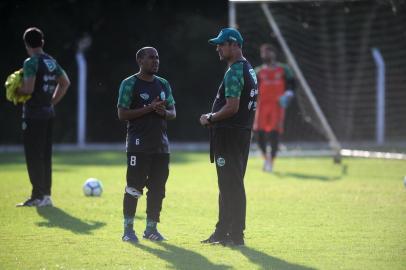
<point x="270" y="118"/>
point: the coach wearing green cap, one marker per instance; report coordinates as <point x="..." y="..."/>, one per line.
<point x="230" y="122"/>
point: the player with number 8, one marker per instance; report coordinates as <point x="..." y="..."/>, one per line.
<point x="145" y="101"/>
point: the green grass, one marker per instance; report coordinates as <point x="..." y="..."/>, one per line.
<point x="309" y="214"/>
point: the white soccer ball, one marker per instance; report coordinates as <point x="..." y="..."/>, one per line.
<point x="92" y="187"/>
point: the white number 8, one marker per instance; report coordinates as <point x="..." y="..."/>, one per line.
<point x="133" y="160"/>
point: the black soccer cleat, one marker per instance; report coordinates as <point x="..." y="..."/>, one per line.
<point x="233" y="240"/>
<point x="237" y="242"/>
<point x="130" y="236"/>
<point x="29" y="203"/>
<point x="215" y="238"/>
<point x="153" y="235"/>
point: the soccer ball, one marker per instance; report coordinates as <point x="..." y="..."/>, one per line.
<point x="92" y="187"/>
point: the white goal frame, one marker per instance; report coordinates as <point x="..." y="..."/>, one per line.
<point x="232" y="15"/>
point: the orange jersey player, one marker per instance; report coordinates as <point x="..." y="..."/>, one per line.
<point x="276" y="84"/>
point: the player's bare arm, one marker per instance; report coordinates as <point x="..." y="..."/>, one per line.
<point x="28" y="86"/>
<point x="169" y="112"/>
<point x="129" y="114"/>
<point x="228" y="110"/>
<point x="61" y="88"/>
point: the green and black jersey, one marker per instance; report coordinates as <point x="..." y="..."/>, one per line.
<point x="46" y="71"/>
<point x="239" y="81"/>
<point x="145" y="134"/>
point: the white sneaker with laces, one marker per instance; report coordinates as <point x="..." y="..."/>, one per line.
<point x="46" y="201"/>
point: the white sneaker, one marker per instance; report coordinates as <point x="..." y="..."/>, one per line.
<point x="46" y="201"/>
<point x="267" y="166"/>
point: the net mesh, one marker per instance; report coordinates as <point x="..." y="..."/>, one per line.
<point x="332" y="43"/>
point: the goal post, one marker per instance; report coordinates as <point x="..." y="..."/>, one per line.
<point x="333" y="142"/>
<point x="346" y="96"/>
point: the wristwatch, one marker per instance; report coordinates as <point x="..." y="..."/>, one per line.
<point x="209" y="117"/>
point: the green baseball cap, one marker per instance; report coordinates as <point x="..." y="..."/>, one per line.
<point x="227" y="34"/>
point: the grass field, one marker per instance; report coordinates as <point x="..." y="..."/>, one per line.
<point x="308" y="214"/>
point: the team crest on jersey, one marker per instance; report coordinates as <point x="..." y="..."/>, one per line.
<point x="144" y="96"/>
<point x="51" y="65"/>
<point x="220" y="161"/>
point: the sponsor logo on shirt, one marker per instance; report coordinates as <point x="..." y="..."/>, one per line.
<point x="253" y="92"/>
<point x="252" y="105"/>
<point x="47" y="88"/>
<point x="253" y="75"/>
<point x="49" y="78"/>
<point x="162" y="95"/>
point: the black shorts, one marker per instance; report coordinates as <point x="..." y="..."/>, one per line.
<point x="147" y="170"/>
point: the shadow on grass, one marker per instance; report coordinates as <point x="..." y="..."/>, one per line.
<point x="304" y="176"/>
<point x="182" y="259"/>
<point x="265" y="261"/>
<point x="57" y="218"/>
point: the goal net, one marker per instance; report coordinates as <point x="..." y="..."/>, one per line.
<point x="352" y="57"/>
